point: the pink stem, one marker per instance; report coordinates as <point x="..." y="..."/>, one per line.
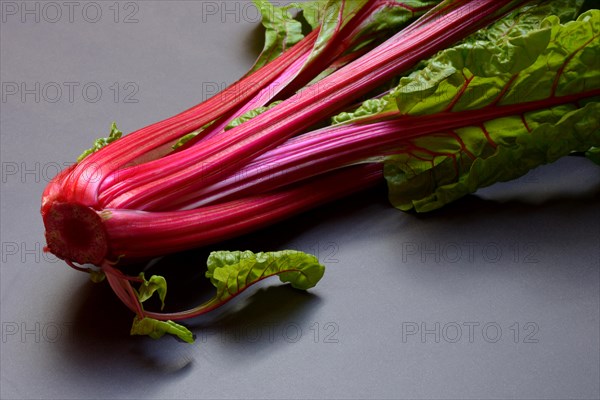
<point x="168" y="179"/>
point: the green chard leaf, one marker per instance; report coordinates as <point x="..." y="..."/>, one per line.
<point x="153" y="327"/>
<point x="389" y="18"/>
<point x="533" y="62"/>
<point x="157" y="329"/>
<point x="428" y="179"/>
<point x="386" y="19"/>
<point x="156" y="284"/>
<point x="528" y="18"/>
<point x="490" y="58"/>
<point x="100" y="143"/>
<point x="335" y="15"/>
<point x="233" y="271"/>
<point x="284" y="27"/>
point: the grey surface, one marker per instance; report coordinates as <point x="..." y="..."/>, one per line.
<point x="525" y="252"/>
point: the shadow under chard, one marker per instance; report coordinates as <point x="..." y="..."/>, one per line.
<point x="101" y="323"/>
<point x="100" y="348"/>
<point x="520" y="210"/>
<point x="270" y="319"/>
<point x="497" y="210"/>
<point x="185" y="272"/>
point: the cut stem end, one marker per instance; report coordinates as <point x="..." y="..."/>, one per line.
<point x="75" y="233"/>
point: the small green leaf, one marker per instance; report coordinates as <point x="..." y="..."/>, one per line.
<point x="157" y="329"/>
<point x="233" y="271"/>
<point x="100" y="143"/>
<point x="156" y="284"/>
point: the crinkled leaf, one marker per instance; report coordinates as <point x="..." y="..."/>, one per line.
<point x="526" y="45"/>
<point x="233" y="271"/>
<point x="157" y="329"/>
<point x="385" y="19"/>
<point x="442" y="168"/>
<point x="535" y="60"/>
<point x="283" y="28"/>
<point x="528" y="18"/>
<point x="368" y="108"/>
<point x="389" y="18"/>
<point x="100" y="143"/>
<point x="147" y="288"/>
<point x="336" y="15"/>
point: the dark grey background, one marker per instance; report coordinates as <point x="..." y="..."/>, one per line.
<point x="523" y="256"/>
